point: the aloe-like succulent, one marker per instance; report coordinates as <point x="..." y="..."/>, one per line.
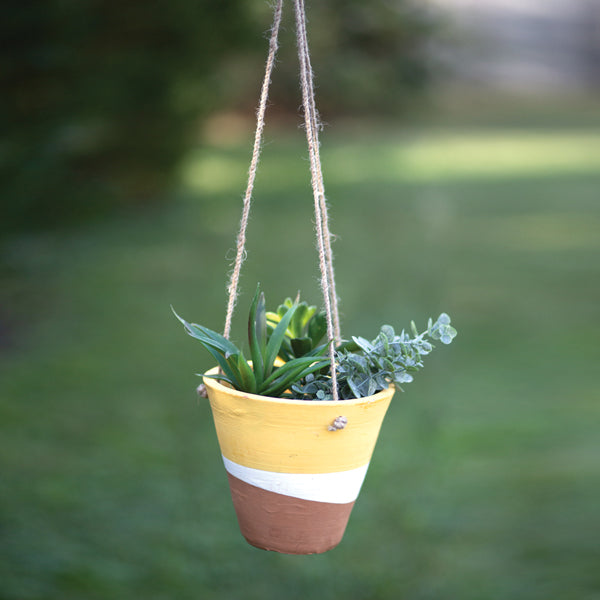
<point x="261" y="376"/>
<point x="305" y="331"/>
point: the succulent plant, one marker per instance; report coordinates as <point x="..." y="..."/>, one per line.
<point x="305" y="331"/>
<point x="262" y="376"/>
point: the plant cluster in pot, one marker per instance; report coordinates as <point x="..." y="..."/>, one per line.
<point x="296" y="458"/>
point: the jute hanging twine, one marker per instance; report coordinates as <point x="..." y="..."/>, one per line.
<point x="312" y="125"/>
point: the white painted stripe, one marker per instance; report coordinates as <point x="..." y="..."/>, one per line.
<point x="339" y="488"/>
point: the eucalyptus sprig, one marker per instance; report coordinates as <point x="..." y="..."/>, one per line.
<point x="366" y="367"/>
<point x="262" y="376"/>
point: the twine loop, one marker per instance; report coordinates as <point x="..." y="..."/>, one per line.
<point x="312" y="126"/>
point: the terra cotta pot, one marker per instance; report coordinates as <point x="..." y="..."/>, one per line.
<point x="293" y="480"/>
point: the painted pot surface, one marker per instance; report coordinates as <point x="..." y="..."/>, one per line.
<point x="293" y="481"/>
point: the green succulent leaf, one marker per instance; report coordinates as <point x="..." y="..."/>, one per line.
<point x="301" y="316"/>
<point x="207" y="335"/>
<point x="302" y="363"/>
<point x="257" y="334"/>
<point x="219" y="377"/>
<point x="226" y="366"/>
<point x="301" y="346"/>
<point x="317" y="327"/>
<point x="276" y="339"/>
<point x="306" y="323"/>
<point x="282" y="383"/>
<point x="247" y="374"/>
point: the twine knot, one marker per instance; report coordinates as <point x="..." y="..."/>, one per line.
<point x="339" y="423"/>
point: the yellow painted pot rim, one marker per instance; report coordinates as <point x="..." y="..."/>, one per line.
<point x="216" y="385"/>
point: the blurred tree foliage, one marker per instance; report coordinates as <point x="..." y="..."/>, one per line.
<point x="101" y="98"/>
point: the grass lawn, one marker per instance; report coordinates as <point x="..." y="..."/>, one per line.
<point x="485" y="482"/>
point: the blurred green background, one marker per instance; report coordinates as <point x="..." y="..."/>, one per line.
<point x="128" y="132"/>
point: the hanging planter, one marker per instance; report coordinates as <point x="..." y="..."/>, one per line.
<point x="297" y="422"/>
<point x="296" y="457"/>
<point x="293" y="475"/>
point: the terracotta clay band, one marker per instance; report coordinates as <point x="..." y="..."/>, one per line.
<point x="284" y="524"/>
